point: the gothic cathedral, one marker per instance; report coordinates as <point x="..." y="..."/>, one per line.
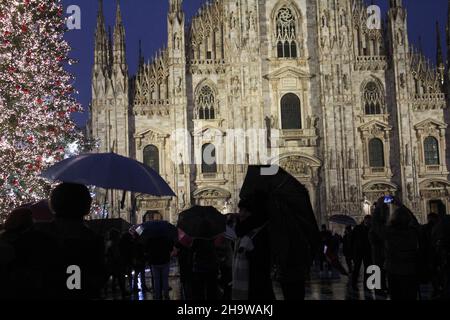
<point x="359" y="112"/>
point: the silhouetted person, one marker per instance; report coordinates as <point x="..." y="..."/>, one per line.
<point x="347" y="248"/>
<point x="139" y="263"/>
<point x="115" y="262"/>
<point x="325" y="237"/>
<point x="205" y="269"/>
<point x="441" y="242"/>
<point x="225" y="254"/>
<point x="126" y="251"/>
<point x="29" y="259"/>
<point x="402" y="255"/>
<point x="159" y="253"/>
<point x="362" y="253"/>
<point x="77" y="244"/>
<point x="380" y="218"/>
<point x="430" y="263"/>
<point x="254" y="243"/>
<point x="186" y="275"/>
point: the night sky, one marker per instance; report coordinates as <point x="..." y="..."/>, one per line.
<point x="146" y="20"/>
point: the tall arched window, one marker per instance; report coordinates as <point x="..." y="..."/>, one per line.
<point x="376" y="153"/>
<point x="373" y="99"/>
<point x="286" y="34"/>
<point x="431" y="150"/>
<point x="151" y="157"/>
<point x="209" y="161"/>
<point x="205" y="104"/>
<point x="291" y="117"/>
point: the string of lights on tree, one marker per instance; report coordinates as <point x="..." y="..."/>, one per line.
<point x="36" y="98"/>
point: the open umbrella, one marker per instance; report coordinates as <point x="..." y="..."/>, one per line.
<point x="104" y="226"/>
<point x="109" y="171"/>
<point x="295" y="235"/>
<point x="158" y="229"/>
<point x="202" y="222"/>
<point x="343" y="219"/>
<point x="40" y="211"/>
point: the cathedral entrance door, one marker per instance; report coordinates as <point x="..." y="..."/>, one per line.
<point x="151" y="215"/>
<point x="437" y="206"/>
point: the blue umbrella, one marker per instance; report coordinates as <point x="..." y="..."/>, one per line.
<point x="109" y="171"/>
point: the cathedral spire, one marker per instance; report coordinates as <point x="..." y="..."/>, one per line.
<point x="176" y="10"/>
<point x="448" y="34"/>
<point x="141" y="56"/>
<point x="175" y="6"/>
<point x="101" y="42"/>
<point x="447" y="78"/>
<point x="439" y="55"/>
<point x="396" y="4"/>
<point x="119" y="38"/>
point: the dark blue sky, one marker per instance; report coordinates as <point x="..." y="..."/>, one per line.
<point x="146" y="20"/>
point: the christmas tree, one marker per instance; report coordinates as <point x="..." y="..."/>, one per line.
<point x="36" y="98"/>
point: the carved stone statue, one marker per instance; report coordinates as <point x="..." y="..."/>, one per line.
<point x="181" y="165"/>
<point x="353" y="194"/>
<point x="314" y="122"/>
<point x="182" y="199"/>
<point x="179" y="85"/>
<point x="333" y="195"/>
<point x="402" y="80"/>
<point x="308" y="122"/>
<point x="410" y="191"/>
<point x="345" y="81"/>
<point x="273" y="121"/>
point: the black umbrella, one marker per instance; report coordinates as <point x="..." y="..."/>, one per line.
<point x="202" y="222"/>
<point x="104" y="226"/>
<point x="343" y="219"/>
<point x="158" y="229"/>
<point x="295" y="236"/>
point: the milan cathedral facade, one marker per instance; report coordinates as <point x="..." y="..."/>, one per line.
<point x="358" y="112"/>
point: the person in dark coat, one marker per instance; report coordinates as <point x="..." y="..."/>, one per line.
<point x="402" y="255"/>
<point x="362" y="254"/>
<point x="29" y="259"/>
<point x="115" y="263"/>
<point x="205" y="270"/>
<point x="186" y="275"/>
<point x="430" y="270"/>
<point x="441" y="242"/>
<point x="325" y="238"/>
<point x="77" y="244"/>
<point x="253" y="216"/>
<point x="347" y="249"/>
<point x="380" y="218"/>
<point x="225" y="254"/>
<point x="159" y="253"/>
<point x="126" y="246"/>
<point x="139" y="264"/>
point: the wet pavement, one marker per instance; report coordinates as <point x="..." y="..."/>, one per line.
<point x="327" y="285"/>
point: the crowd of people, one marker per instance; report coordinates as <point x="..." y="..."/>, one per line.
<point x="407" y="253"/>
<point x="34" y="258"/>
